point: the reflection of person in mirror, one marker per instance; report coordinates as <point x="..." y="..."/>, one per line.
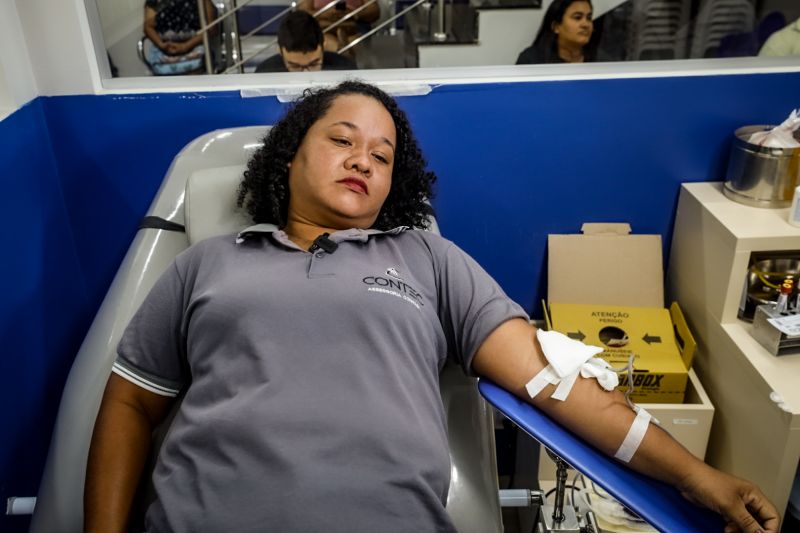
<point x="172" y="26"/>
<point x="300" y="45"/>
<point x="348" y="30"/>
<point x="565" y="35"/>
<point x="785" y="42"/>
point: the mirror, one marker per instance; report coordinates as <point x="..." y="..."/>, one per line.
<point x="242" y="35"/>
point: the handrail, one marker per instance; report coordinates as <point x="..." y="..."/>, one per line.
<point x="440" y="34"/>
<point x="205" y="27"/>
<point x="350" y="15"/>
<point x="281" y="14"/>
<point x="315" y="14"/>
<point x="236" y="42"/>
<point x="381" y="26"/>
<point x="268" y="22"/>
<point x="253" y="31"/>
<point x="201" y="10"/>
<point x="323" y="9"/>
<point x="248" y="58"/>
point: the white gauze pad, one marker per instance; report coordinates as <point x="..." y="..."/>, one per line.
<point x="566" y="358"/>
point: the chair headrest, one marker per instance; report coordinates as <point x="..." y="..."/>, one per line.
<point x="210" y="203"/>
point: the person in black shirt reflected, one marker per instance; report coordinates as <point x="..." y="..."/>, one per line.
<point x="300" y="42"/>
<point x="565" y="35"/>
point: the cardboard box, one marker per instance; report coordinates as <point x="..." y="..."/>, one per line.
<point x="646" y="333"/>
<point x="607" y="278"/>
<point x="605" y="287"/>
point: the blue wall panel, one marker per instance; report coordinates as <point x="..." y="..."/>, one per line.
<point x="44" y="310"/>
<point x="515" y="162"/>
<point x="113" y="152"/>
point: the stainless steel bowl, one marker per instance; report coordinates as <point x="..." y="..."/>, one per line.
<point x="759" y="176"/>
<point x="765" y="277"/>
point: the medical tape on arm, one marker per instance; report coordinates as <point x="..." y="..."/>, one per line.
<point x="566" y="359"/>
<point x="635" y="435"/>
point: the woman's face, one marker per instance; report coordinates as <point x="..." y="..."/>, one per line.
<point x="342" y="171"/>
<point x="576" y="26"/>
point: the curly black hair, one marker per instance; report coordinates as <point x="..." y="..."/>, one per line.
<point x="264" y="191"/>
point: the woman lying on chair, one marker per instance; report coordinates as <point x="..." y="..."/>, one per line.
<point x="307" y="349"/>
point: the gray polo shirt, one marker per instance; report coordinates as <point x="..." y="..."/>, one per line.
<point x="311" y="380"/>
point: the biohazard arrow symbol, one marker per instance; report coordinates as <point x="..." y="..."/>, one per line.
<point x="650" y="339"/>
<point x="579" y="336"/>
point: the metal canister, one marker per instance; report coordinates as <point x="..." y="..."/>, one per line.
<point x="758" y="175"/>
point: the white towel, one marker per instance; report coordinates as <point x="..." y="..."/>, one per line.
<point x="568" y="357"/>
<point x="565" y="355"/>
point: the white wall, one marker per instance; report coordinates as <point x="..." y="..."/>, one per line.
<point x="7" y="104"/>
<point x="502" y="35"/>
<point x="125" y="57"/>
<point x="118" y="18"/>
<point x="17" y="83"/>
<point x="60" y="47"/>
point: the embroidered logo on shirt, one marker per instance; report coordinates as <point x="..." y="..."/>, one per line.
<point x="391" y="271"/>
<point x="394" y="285"/>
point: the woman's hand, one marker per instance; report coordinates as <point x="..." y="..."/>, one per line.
<point x="741" y="503"/>
<point x="178" y="48"/>
<point x="511" y="355"/>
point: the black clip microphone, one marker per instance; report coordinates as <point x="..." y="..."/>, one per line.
<point x="328" y="245"/>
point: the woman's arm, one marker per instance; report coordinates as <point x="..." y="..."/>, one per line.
<point x="511" y="356"/>
<point x="150" y="28"/>
<point x="325" y="19"/>
<point x="119" y="448"/>
<point x="370" y="14"/>
<point x="177" y="48"/>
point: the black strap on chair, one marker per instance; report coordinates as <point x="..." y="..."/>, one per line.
<point x="150" y="222"/>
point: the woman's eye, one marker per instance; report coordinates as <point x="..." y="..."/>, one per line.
<point x="380" y="158"/>
<point x="341" y="141"/>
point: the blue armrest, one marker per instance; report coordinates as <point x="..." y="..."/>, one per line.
<point x="658" y="503"/>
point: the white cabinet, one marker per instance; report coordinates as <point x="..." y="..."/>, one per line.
<point x="751" y="435"/>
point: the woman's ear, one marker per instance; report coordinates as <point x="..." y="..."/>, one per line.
<point x="554" y="27"/>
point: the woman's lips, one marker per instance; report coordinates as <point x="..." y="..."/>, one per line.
<point x="355" y="184"/>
